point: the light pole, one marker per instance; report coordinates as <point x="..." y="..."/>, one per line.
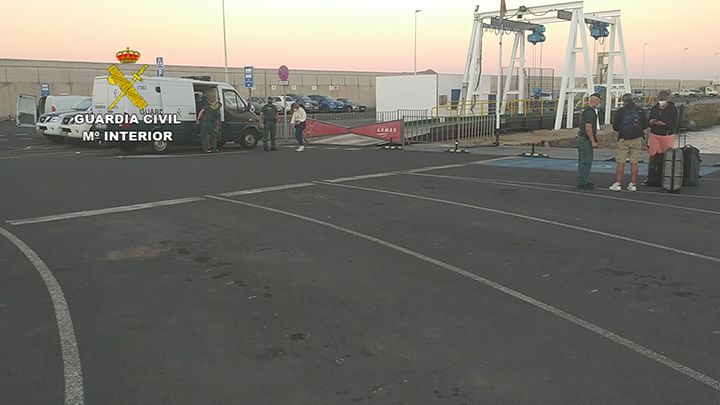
<point x="717" y="68"/>
<point x="643" y="72"/>
<point x="415" y="57"/>
<point x="227" y="77"/>
<point x="683" y="67"/>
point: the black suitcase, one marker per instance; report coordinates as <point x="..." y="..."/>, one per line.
<point x="692" y="161"/>
<point x="655" y="169"/>
<point x="673" y="169"/>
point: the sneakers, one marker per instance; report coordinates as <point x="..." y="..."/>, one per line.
<point x="631" y="187"/>
<point x="616" y="187"/>
<point x="586" y="186"/>
<point x="300" y="149"/>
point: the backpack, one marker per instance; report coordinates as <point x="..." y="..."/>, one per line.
<point x="630" y="126"/>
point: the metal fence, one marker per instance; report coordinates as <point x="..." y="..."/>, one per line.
<point x="419" y="126"/>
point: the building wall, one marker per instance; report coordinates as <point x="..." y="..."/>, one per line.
<point x="24" y="76"/>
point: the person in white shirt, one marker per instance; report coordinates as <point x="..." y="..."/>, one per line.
<point x="298" y="121"/>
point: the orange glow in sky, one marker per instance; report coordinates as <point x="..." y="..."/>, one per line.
<point x="370" y="35"/>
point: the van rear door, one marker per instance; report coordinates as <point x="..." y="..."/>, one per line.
<point x="26" y="110"/>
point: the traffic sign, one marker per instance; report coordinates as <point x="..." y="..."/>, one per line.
<point x="160" y="66"/>
<point x="283" y="83"/>
<point x="44" y="89"/>
<point x="249" y="77"/>
<point x="283" y="73"/>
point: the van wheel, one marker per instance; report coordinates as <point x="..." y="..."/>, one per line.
<point x="349" y="109"/>
<point x="160" y="146"/>
<point x="249" y="139"/>
<point x="55" y="138"/>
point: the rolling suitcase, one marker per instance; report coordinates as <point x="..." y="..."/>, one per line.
<point x="672" y="170"/>
<point x="655" y="169"/>
<point x="691" y="169"/>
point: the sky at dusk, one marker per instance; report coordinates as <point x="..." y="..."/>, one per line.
<point x="369" y="35"/>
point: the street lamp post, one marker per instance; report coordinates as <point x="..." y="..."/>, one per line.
<point x="415" y="53"/>
<point x="227" y="77"/>
<point x="683" y="67"/>
<point x="643" y="70"/>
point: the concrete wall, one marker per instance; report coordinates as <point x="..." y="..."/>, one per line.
<point x="24" y="76"/>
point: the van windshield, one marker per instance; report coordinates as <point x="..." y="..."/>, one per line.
<point x="82" y="105"/>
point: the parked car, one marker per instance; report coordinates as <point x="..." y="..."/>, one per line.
<point x="686" y="93"/>
<point x="279" y="104"/>
<point x="308" y="104"/>
<point x="542" y="96"/>
<point x="351" y="106"/>
<point x="256" y="104"/>
<point x="708" y="91"/>
<point x="327" y="103"/>
<point x="50" y="124"/>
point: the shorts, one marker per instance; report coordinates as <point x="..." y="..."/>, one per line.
<point x="660" y="143"/>
<point x="629" y="149"/>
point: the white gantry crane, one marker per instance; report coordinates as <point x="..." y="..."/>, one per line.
<point x="533" y="20"/>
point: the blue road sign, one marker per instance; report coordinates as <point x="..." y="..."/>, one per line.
<point x="249" y="77"/>
<point x="160" y="66"/>
<point x="44" y="89"/>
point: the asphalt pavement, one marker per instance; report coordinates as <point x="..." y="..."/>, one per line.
<point x="346" y="275"/>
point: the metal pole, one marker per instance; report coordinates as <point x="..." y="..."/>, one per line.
<point x="717" y="68"/>
<point x="227" y="77"/>
<point x="500" y="73"/>
<point x="683" y="69"/>
<point x="415" y="53"/>
<point x="643" y="72"/>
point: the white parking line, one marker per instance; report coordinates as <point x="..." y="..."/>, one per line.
<point x="111" y="210"/>
<point x="534" y="219"/>
<point x="175" y="156"/>
<point x="360" y="177"/>
<point x="72" y="369"/>
<point x="266" y="189"/>
<point x="613" y="337"/>
<point x="552" y="190"/>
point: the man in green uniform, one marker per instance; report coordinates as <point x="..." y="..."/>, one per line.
<point x="209" y="122"/>
<point x="587" y="141"/>
<point x="269" y="117"/>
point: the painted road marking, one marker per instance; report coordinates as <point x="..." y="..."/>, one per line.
<point x="266" y="189"/>
<point x="102" y="211"/>
<point x="360" y="177"/>
<point x="655" y="356"/>
<point x="72" y="369"/>
<point x="607" y="197"/>
<point x="535" y="219"/>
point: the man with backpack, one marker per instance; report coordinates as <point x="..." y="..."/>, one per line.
<point x="630" y="124"/>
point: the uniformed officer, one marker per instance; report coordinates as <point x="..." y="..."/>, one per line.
<point x="587" y="141"/>
<point x="269" y="117"/>
<point x="209" y="122"/>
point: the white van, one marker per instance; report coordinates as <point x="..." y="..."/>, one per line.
<point x="182" y="97"/>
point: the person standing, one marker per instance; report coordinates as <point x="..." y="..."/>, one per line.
<point x="587" y="141"/>
<point x="630" y="123"/>
<point x="209" y="122"/>
<point x="663" y="120"/>
<point x="269" y="117"/>
<point x="298" y="122"/>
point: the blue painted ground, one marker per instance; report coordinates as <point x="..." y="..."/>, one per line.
<point x="570" y="165"/>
